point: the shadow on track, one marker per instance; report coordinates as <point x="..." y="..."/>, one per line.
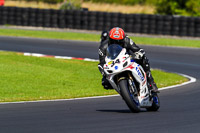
<point x="119" y="111"/>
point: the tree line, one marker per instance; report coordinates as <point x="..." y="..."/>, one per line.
<point x="164" y="7"/>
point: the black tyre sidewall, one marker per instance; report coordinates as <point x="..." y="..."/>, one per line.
<point x="125" y="93"/>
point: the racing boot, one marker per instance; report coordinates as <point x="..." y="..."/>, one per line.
<point x="152" y="85"/>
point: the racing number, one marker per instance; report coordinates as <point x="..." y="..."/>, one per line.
<point x="114" y="62"/>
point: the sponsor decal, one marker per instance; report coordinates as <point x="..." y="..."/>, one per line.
<point x="116" y="34"/>
<point x="139" y="73"/>
<point x="132" y="60"/>
<point x="116" y="67"/>
<point x="106" y="67"/>
<point x="112" y="63"/>
<point x="109" y="63"/>
<point x="124" y="58"/>
<point x="100" y="52"/>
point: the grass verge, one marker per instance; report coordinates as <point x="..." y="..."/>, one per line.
<point x="95" y="37"/>
<point x="25" y="78"/>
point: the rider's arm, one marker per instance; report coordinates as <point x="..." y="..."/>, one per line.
<point x="102" y="51"/>
<point x="102" y="55"/>
<point x="102" y="47"/>
<point x="129" y="44"/>
<point x="133" y="48"/>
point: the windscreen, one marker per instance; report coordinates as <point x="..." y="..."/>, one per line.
<point x="113" y="51"/>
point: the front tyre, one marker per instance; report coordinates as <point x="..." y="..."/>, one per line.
<point x="128" y="96"/>
<point x="156" y="103"/>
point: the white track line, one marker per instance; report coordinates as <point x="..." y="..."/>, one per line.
<point x="191" y="80"/>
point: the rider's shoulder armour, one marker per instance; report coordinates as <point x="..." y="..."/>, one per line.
<point x="128" y="41"/>
<point x="130" y="44"/>
<point x="104" y="35"/>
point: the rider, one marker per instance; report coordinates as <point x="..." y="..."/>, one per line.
<point x="117" y="36"/>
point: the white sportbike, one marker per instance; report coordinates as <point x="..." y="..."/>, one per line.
<point x="129" y="79"/>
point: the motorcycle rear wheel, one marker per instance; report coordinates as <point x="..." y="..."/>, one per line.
<point x="156" y="103"/>
<point x="128" y="96"/>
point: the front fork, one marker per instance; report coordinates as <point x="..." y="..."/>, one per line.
<point x="132" y="85"/>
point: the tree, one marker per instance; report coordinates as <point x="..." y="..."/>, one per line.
<point x="178" y="7"/>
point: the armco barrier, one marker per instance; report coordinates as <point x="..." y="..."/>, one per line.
<point x="74" y="19"/>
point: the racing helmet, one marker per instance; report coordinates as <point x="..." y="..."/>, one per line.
<point x="116" y="36"/>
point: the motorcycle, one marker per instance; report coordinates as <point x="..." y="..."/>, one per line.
<point x="129" y="79"/>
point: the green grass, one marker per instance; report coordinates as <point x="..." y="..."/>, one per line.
<point x="164" y="79"/>
<point x="25" y="78"/>
<point x="50" y="34"/>
<point x="167" y="42"/>
<point x="96" y="37"/>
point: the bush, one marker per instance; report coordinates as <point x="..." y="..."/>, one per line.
<point x="45" y="1"/>
<point x="193" y="7"/>
<point x="50" y="1"/>
<point x="124" y="2"/>
<point x="178" y="7"/>
<point x="71" y="5"/>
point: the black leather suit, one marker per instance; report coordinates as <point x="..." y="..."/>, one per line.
<point x="132" y="49"/>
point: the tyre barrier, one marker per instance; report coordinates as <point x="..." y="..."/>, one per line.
<point x="88" y="20"/>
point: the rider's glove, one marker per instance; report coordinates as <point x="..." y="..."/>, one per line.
<point x="139" y="54"/>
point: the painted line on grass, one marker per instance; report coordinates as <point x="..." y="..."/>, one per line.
<point x="191" y="80"/>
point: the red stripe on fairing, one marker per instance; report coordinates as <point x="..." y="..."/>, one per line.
<point x="145" y="78"/>
<point x="131" y="66"/>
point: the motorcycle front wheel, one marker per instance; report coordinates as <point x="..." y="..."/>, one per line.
<point x="128" y="96"/>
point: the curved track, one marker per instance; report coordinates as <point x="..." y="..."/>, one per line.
<point x="179" y="112"/>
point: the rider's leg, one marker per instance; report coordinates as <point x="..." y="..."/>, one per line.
<point x="150" y="80"/>
<point x="105" y="83"/>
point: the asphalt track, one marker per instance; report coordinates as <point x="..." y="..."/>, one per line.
<point x="179" y="112"/>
